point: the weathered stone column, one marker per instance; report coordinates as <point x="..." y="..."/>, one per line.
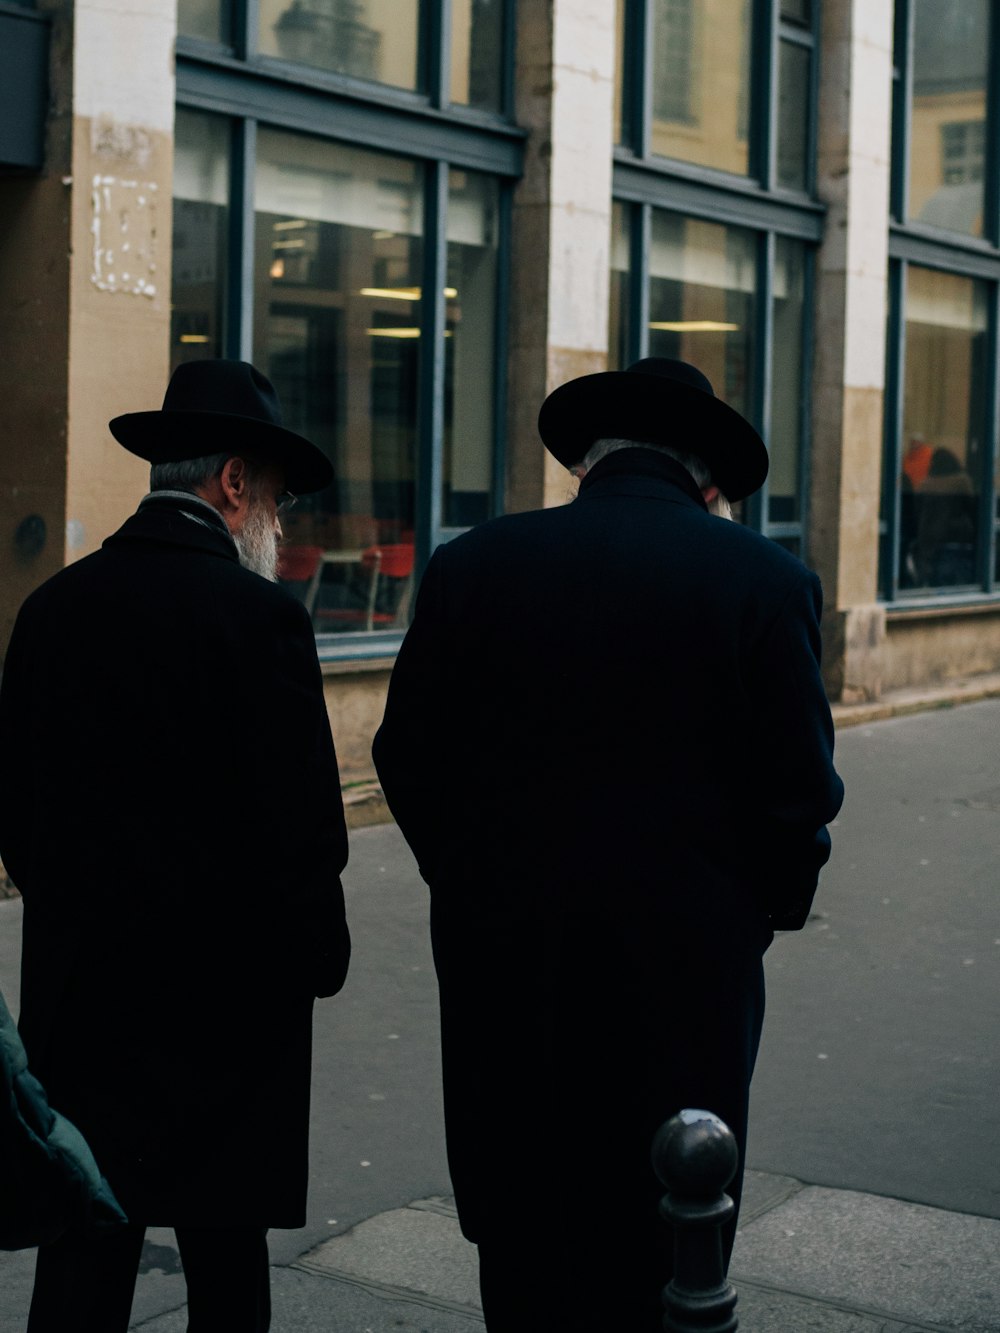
<point x="85" y="275"/>
<point x="853" y="181"/>
<point x="562" y="224"/>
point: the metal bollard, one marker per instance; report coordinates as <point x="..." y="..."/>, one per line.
<point x="695" y="1157"/>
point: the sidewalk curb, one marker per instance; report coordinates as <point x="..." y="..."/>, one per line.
<point x="918" y="699"/>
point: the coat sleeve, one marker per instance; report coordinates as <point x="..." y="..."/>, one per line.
<point x="411" y="743"/>
<point x="16" y="758"/>
<point x="799" y="791"/>
<point x="313" y="850"/>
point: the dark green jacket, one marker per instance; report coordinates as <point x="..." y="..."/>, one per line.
<point x="50" y="1180"/>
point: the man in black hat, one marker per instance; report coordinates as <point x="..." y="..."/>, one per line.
<point x="170" y="810"/>
<point x="608" y="744"/>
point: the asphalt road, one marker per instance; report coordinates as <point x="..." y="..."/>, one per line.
<point x="879" y="1068"/>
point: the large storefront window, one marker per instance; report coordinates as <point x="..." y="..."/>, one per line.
<point x="354" y="247"/>
<point x="943" y="430"/>
<point x="942" y="462"/>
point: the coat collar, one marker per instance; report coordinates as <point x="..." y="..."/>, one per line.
<point x="641" y="472"/>
<point x="175" y="518"/>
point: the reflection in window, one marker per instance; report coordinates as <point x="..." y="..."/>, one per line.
<point x="337" y="275"/>
<point x="785" y="435"/>
<point x="198" y="268"/>
<point x="367" y="39"/>
<point x="470" y="312"/>
<point x="701" y="82"/>
<point x="701" y="301"/>
<point x="206" y="19"/>
<point x="618" y="316"/>
<point x="477" y="33"/>
<point x="793" y="116"/>
<point x="951" y="45"/>
<point x="943" y="429"/>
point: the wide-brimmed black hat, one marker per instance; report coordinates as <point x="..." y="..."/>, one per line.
<point x="212" y="406"/>
<point x="655" y="401"/>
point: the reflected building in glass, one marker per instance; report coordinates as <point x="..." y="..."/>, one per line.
<point x="417" y="218"/>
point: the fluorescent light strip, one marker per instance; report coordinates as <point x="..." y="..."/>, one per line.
<point x="401" y="293"/>
<point x="692" y="326"/>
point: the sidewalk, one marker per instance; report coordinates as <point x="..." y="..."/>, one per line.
<point x="833" y="1261"/>
<point x="872" y="1202"/>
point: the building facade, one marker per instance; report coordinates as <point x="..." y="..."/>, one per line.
<point x="417" y="217"/>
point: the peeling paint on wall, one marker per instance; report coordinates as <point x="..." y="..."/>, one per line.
<point x="123" y="231"/>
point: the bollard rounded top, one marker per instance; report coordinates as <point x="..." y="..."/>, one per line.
<point x="694" y="1154"/>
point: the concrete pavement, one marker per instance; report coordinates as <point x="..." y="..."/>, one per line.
<point x="873" y="1199"/>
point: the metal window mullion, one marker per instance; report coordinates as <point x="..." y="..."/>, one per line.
<point x="988" y="510"/>
<point x="812" y="138"/>
<point x="763" y="365"/>
<point x="437" y="30"/>
<point x="901" y="118"/>
<point x="764" y="92"/>
<point x="500" y="339"/>
<point x="640" y="239"/>
<point x="246" y="28"/>
<point x="805" y="403"/>
<point x="430" y="399"/>
<point x="639" y="81"/>
<point x="508" y="54"/>
<point x="991" y="185"/>
<point x="240" y="287"/>
<point x="895" y="371"/>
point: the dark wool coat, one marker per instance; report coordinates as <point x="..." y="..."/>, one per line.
<point x="170" y="810"/>
<point x="608" y="744"/>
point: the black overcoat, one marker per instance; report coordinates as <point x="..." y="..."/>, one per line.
<point x="170" y="810"/>
<point x="608" y="744"/>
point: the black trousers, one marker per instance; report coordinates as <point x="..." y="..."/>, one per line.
<point x="85" y="1281"/>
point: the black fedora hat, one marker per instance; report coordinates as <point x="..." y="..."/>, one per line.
<point x="655" y="401"/>
<point x="212" y="406"/>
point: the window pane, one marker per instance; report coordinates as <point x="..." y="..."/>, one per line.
<point x="701" y="82"/>
<point x="203" y="18"/>
<point x="368" y="39"/>
<point x="793" y="116"/>
<point x="470" y="349"/>
<point x="477" y="53"/>
<point x="951" y="44"/>
<point x="618" y="312"/>
<point x="198" y="268"/>
<point x="336" y="327"/>
<point x="944" y="412"/>
<point x="701" y="301"/>
<point x="796" y="11"/>
<point x="785" y="444"/>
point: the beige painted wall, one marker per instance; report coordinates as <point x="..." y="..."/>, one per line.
<point x="935" y="647"/>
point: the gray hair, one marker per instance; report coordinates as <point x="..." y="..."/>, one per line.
<point x="191" y="473"/>
<point x="188" y="474"/>
<point x="700" y="472"/>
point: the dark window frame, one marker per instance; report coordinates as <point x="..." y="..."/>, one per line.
<point x="250" y="90"/>
<point x="925" y="246"/>
<point x="643" y="181"/>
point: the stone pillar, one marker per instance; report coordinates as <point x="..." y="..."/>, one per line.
<point x="561" y="226"/>
<point x="853" y="181"/>
<point x="85" y="273"/>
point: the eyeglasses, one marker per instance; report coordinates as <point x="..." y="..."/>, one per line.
<point x="285" y="501"/>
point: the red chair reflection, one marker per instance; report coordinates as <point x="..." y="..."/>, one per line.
<point x="389" y="570"/>
<point x="302" y="565"/>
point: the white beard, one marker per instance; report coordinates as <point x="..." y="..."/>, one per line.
<point x="257" y="542"/>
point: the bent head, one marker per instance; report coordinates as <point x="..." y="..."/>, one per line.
<point x="248" y="493"/>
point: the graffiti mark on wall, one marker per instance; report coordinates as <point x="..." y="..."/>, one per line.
<point x="123" y="232"/>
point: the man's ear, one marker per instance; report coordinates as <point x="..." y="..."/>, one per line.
<point x="709" y="493"/>
<point x="234" y="482"/>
